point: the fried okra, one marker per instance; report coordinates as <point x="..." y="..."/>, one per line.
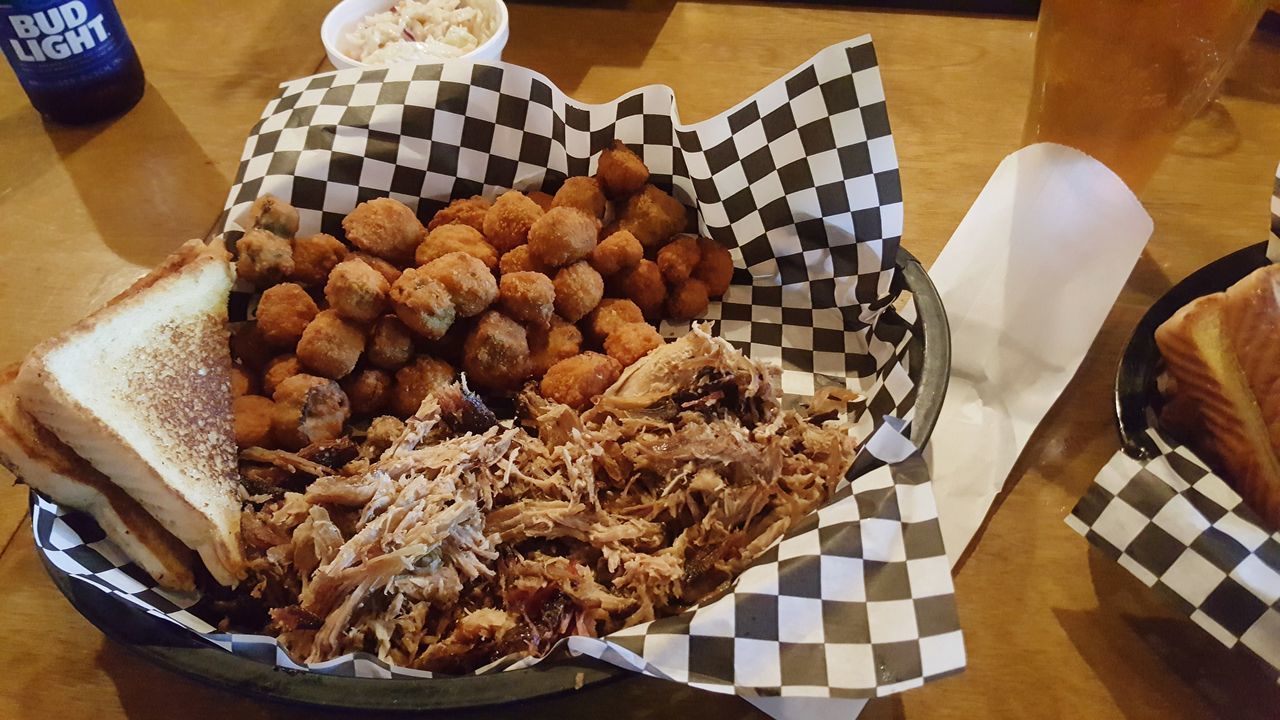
<point x="383" y="432"/>
<point x="632" y="341"/>
<point x="384" y="268"/>
<point x="579" y="289"/>
<point x="582" y="193"/>
<point x="415" y="381"/>
<point x="652" y="216"/>
<point x="715" y="268"/>
<point x="422" y="303"/>
<point x="519" y="259"/>
<point x="242" y="382"/>
<point x="643" y="285"/>
<point x="456" y="238"/>
<point x="273" y="215"/>
<point x="470" y="284"/>
<point x="678" y="258"/>
<point x="264" y="258"/>
<point x="507" y="223"/>
<point x="390" y="343"/>
<point x="618" y="251"/>
<point x="466" y="211"/>
<point x="308" y="409"/>
<point x="542" y="199"/>
<point x="331" y="345"/>
<point x="576" y="380"/>
<point x="315" y="256"/>
<point x="278" y="370"/>
<point x="621" y="172"/>
<point x="284" y="311"/>
<point x="562" y="236"/>
<point x="368" y="390"/>
<point x="688" y="300"/>
<point x="251" y="420"/>
<point x="611" y="314"/>
<point x="386" y="228"/>
<point x="548" y="346"/>
<point x="529" y="297"/>
<point x="357" y="292"/>
<point x="496" y="353"/>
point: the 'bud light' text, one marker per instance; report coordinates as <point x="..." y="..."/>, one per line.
<point x="56" y="33"/>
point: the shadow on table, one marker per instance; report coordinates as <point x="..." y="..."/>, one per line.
<point x="145" y="181"/>
<point x="1123" y="633"/>
<point x="147" y="692"/>
<point x="613" y="33"/>
<point x="889" y="708"/>
<point x="1149" y="278"/>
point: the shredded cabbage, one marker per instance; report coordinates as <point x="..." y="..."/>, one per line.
<point x="416" y="31"/>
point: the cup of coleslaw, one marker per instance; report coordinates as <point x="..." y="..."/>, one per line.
<point x="377" y="33"/>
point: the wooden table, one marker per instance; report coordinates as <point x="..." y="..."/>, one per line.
<point x="1053" y="629"/>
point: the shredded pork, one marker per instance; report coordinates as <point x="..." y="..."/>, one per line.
<point x="467" y="542"/>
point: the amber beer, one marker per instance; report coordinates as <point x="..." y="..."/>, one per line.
<point x="1119" y="79"/>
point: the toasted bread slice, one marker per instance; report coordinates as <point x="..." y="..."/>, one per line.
<point x="45" y="463"/>
<point x="141" y="389"/>
<point x="1253" y="318"/>
<point x="1197" y="346"/>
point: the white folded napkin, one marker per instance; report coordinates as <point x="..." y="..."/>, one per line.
<point x="1027" y="279"/>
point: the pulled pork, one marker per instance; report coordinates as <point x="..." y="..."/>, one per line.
<point x="467" y="542"/>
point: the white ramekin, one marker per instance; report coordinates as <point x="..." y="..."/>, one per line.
<point x="342" y="19"/>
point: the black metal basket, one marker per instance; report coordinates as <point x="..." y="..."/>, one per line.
<point x="175" y="648"/>
<point x="1137" y="397"/>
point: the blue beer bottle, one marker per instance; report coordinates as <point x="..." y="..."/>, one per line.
<point x="73" y="57"/>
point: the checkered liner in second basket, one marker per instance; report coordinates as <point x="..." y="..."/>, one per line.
<point x="1273" y="246"/>
<point x="801" y="182"/>
<point x="1178" y="527"/>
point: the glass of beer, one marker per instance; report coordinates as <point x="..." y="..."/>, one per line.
<point x="1118" y="79"/>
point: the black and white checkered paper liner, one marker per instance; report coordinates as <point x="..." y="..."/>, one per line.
<point x="856" y="600"/>
<point x="1179" y="527"/>
<point x="801" y="182"/>
<point x="1273" y="246"/>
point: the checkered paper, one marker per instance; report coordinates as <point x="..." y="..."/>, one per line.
<point x="801" y="182"/>
<point x="856" y="600"/>
<point x="1180" y="528"/>
<point x="1273" y="245"/>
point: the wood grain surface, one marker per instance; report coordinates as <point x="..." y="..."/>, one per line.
<point x="1053" y="629"/>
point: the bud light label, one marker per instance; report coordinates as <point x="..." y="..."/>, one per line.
<point x="62" y="43"/>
